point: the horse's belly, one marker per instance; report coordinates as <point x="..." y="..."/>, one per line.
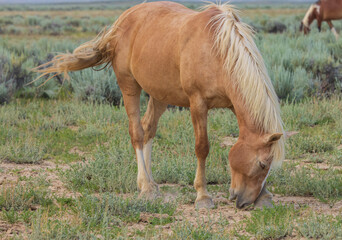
<point x="163" y="86"/>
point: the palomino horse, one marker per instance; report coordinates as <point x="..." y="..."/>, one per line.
<point x="323" y="10"/>
<point x="200" y="60"/>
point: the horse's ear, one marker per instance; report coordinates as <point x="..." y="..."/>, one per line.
<point x="272" y="138"/>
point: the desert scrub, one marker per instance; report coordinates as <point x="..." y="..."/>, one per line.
<point x="200" y="231"/>
<point x="302" y="143"/>
<point x="320" y="227"/>
<point x="17" y="60"/>
<point x="116" y="210"/>
<point x="311" y="112"/>
<point x="325" y="185"/>
<point x="100" y="87"/>
<point x="46" y="227"/>
<point x="112" y="170"/>
<point x="23" y="150"/>
<point x="272" y="223"/>
<point x="19" y="198"/>
<point x="91" y="217"/>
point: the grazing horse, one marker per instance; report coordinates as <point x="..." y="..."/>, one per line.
<point x="323" y="10"/>
<point x="201" y="60"/>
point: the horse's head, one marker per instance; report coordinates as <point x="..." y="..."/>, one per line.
<point x="309" y="17"/>
<point x="250" y="162"/>
<point x="304" y="28"/>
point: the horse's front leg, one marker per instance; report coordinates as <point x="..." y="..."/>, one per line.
<point x="319" y="24"/>
<point x="333" y="29"/>
<point x="199" y="111"/>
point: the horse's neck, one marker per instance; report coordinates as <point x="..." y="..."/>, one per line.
<point x="310" y="15"/>
<point x="247" y="125"/>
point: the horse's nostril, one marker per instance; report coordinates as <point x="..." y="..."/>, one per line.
<point x="243" y="205"/>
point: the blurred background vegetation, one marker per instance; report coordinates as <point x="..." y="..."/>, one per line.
<point x="300" y="66"/>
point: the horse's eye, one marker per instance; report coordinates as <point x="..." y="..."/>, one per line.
<point x="262" y="165"/>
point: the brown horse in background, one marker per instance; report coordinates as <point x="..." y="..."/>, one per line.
<point x="201" y="60"/>
<point x="323" y="10"/>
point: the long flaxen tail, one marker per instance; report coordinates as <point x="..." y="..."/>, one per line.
<point x="93" y="53"/>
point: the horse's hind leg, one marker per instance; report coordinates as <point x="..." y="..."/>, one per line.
<point x="131" y="95"/>
<point x="199" y="113"/>
<point x="333" y="29"/>
<point x="149" y="123"/>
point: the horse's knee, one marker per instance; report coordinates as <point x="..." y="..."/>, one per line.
<point x="202" y="149"/>
<point x="149" y="130"/>
<point x="137" y="135"/>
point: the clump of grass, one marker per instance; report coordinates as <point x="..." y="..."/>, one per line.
<point x="336" y="158"/>
<point x="44" y="227"/>
<point x="324" y="185"/>
<point x="93" y="217"/>
<point x="272" y="223"/>
<point x="10" y="216"/>
<point x="23" y="151"/>
<point x="111" y="171"/>
<point x="301" y="144"/>
<point x="201" y="231"/>
<point x="96" y="211"/>
<point x="320" y="227"/>
<point x="311" y="112"/>
<point x="161" y="220"/>
<point x="19" y="198"/>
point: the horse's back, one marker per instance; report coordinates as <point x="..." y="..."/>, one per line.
<point x="331" y="9"/>
<point x="166" y="47"/>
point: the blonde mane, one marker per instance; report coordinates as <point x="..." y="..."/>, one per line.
<point x="245" y="66"/>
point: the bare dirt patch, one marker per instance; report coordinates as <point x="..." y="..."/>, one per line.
<point x="8" y="231"/>
<point x="76" y="150"/>
<point x="12" y="172"/>
<point x="312" y="203"/>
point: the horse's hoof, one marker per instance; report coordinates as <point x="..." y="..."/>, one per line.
<point x="205" y="202"/>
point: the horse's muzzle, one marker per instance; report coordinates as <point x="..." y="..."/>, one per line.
<point x="232" y="195"/>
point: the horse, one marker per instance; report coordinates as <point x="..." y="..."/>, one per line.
<point x="323" y="10"/>
<point x="198" y="59"/>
